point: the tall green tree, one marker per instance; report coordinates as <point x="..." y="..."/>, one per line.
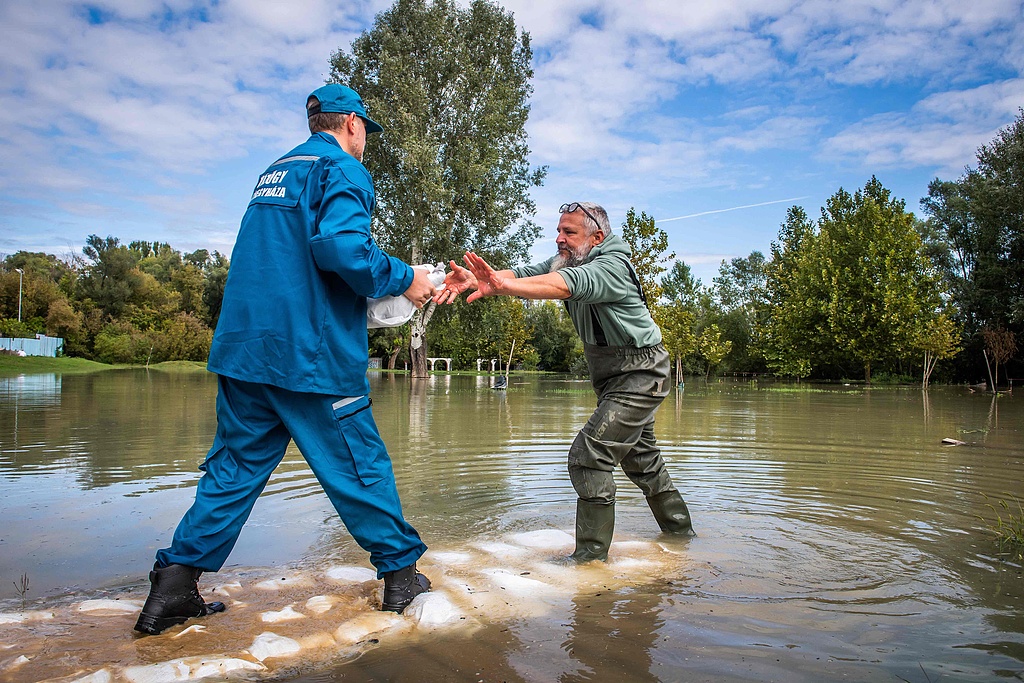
<point x="938" y="339"/>
<point x="649" y="245"/>
<point x="712" y="348"/>
<point x="682" y="312"/>
<point x="678" y="326"/>
<point x="739" y="289"/>
<point x="790" y="330"/>
<point x="554" y="337"/>
<point x="112" y="279"/>
<point x="859" y="290"/>
<point x="999" y="198"/>
<point x="451" y="87"/>
<point x="980" y="220"/>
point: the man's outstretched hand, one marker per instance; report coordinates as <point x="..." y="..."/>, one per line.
<point x="456" y="282"/>
<point x="489" y="282"/>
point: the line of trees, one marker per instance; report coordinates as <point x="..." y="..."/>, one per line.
<point x="868" y="290"/>
<point x="140" y="303"/>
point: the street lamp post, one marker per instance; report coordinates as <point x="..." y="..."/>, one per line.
<point x="21" y="277"/>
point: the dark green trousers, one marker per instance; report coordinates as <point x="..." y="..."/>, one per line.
<point x="630" y="385"/>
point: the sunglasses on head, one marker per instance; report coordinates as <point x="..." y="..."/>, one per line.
<point x="569" y="208"/>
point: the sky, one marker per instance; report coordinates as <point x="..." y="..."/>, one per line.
<point x="150" y="120"/>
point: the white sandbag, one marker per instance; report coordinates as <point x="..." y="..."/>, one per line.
<point x="286" y="614"/>
<point x="364" y="625"/>
<point x="189" y="669"/>
<point x="351" y="574"/>
<point x="105" y="607"/>
<point x="270" y="644"/>
<point x="392" y="311"/>
<point x="24" y="617"/>
<point x="432" y="609"/>
<point x="318" y="604"/>
<point x="547" y="539"/>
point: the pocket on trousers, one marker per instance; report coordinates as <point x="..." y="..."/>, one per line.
<point x="359" y="435"/>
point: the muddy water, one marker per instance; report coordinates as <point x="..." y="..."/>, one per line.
<point x="838" y="539"/>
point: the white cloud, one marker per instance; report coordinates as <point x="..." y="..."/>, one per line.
<point x="131" y="113"/>
<point x="943" y="130"/>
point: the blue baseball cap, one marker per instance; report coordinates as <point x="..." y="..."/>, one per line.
<point x="338" y="99"/>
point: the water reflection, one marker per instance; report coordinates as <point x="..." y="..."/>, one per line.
<point x="813" y="505"/>
<point x="616" y="644"/>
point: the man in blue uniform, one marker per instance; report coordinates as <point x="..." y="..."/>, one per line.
<point x="290" y="352"/>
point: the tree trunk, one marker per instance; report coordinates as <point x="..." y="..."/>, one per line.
<point x="418" y="329"/>
<point x="394" y="356"/>
<point x="418" y="340"/>
<point x="867" y="372"/>
<point x="418" y="348"/>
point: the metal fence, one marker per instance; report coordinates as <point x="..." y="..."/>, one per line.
<point x="40" y="346"/>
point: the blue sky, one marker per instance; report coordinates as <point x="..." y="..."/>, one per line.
<point x="152" y="120"/>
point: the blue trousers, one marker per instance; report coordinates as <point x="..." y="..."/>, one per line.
<point x="338" y="438"/>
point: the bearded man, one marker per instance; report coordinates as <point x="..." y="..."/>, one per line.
<point x="629" y="368"/>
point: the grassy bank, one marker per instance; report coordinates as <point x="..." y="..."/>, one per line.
<point x="18" y="365"/>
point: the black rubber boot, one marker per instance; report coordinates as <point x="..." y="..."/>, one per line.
<point x="173" y="599"/>
<point x="595" y="524"/>
<point x="401" y="586"/>
<point x="670" y="511"/>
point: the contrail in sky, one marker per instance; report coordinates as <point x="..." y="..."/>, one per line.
<point x="731" y="208"/>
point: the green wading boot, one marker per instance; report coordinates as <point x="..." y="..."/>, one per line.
<point x="670" y="511"/>
<point x="173" y="599"/>
<point x="595" y="524"/>
<point x="401" y="586"/>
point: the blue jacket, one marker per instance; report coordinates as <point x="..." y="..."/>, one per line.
<point x="294" y="309"/>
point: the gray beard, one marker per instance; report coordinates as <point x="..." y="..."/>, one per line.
<point x="573" y="258"/>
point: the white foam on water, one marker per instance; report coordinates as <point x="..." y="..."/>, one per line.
<point x="189" y="669"/>
<point x="318" y="604"/>
<point x="286" y="614"/>
<point x="351" y="574"/>
<point x="269" y="644"/>
<point x="24" y="617"/>
<point x="108" y="607"/>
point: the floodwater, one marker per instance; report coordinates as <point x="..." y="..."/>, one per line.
<point x="838" y="539"/>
